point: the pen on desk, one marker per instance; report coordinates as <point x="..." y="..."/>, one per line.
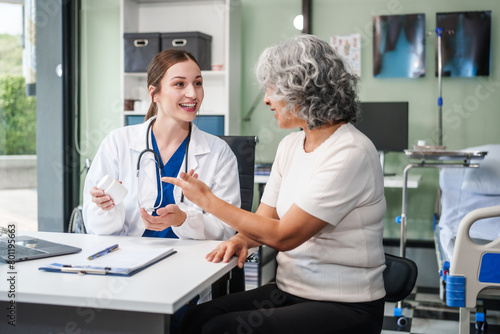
<point x="84" y="270"/>
<point x="103" y="252"/>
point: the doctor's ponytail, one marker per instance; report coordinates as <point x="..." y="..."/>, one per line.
<point x="152" y="111"/>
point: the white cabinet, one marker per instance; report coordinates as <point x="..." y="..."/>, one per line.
<point x="219" y="18"/>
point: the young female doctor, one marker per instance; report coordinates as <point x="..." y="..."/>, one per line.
<point x="165" y="144"/>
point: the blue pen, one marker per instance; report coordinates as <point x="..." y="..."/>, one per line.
<point x="103" y="252"/>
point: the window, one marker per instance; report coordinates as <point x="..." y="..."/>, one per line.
<point x="18" y="180"/>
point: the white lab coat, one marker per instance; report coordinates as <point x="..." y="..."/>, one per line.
<point x="208" y="155"/>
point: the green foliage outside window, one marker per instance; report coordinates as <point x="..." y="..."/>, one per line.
<point x="17" y="111"/>
<point x="17" y="118"/>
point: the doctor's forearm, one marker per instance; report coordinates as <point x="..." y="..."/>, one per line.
<point x="102" y="222"/>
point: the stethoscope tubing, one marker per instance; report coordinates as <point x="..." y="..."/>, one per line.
<point x="157" y="161"/>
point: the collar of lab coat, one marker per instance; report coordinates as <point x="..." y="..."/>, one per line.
<point x="198" y="144"/>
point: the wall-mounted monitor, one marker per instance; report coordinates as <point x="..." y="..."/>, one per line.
<point x="386" y="124"/>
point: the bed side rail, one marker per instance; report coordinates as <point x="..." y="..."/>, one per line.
<point x="473" y="267"/>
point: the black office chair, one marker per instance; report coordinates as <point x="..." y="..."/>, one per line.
<point x="244" y="149"/>
<point x="400" y="276"/>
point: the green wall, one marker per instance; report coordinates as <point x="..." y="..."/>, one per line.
<point x="470" y="116"/>
<point x="264" y="23"/>
<point x="101" y="105"/>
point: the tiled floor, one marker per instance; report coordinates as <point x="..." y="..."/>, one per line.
<point x="427" y="314"/>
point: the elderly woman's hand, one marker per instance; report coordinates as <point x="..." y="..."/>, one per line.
<point x="225" y="250"/>
<point x="192" y="188"/>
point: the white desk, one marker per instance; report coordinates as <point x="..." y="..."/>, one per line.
<point x="61" y="302"/>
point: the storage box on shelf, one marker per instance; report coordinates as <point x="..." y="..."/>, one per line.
<point x="140" y="48"/>
<point x="195" y="42"/>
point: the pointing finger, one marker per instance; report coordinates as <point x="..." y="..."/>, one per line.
<point x="173" y="180"/>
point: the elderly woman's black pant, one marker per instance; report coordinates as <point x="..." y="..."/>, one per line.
<point x="268" y="310"/>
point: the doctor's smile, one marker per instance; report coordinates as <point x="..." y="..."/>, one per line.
<point x="189" y="106"/>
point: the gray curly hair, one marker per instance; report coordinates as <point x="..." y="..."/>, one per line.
<point x="306" y="72"/>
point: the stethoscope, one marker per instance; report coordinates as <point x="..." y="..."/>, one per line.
<point x="157" y="160"/>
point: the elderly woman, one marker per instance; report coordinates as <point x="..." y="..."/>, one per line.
<point x="322" y="208"/>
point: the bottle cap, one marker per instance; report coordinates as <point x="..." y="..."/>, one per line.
<point x="105" y="182"/>
<point x="113" y="188"/>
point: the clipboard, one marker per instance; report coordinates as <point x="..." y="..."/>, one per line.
<point x="126" y="261"/>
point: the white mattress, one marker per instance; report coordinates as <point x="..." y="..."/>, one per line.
<point x="457" y="199"/>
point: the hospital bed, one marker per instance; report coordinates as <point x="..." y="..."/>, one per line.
<point x="467" y="236"/>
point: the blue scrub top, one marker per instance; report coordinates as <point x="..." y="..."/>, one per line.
<point x="171" y="169"/>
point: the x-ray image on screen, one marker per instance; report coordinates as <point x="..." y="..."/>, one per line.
<point x="399" y="46"/>
<point x="465" y="43"/>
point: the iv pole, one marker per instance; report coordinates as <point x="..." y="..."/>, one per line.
<point x="439" y="32"/>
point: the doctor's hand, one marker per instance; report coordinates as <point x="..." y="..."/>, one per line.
<point x="168" y="216"/>
<point x="192" y="188"/>
<point x="225" y="250"/>
<point x="102" y="200"/>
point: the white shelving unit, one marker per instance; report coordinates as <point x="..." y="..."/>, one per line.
<point x="219" y="18"/>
